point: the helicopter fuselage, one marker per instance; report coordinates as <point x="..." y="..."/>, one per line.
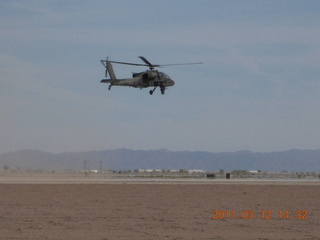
<point x="150" y="78"/>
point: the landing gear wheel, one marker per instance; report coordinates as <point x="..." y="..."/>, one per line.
<point x="162" y="89"/>
<point x="151" y="91"/>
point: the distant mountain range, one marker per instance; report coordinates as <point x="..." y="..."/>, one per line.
<point x="125" y="159"/>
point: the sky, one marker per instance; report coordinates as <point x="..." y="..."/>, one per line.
<point x="258" y="88"/>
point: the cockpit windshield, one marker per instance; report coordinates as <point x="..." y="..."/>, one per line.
<point x="164" y="75"/>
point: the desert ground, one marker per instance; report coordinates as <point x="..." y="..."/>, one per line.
<point x="88" y="209"/>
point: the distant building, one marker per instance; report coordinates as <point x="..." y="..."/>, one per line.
<point x="147" y="170"/>
<point x="195" y="171"/>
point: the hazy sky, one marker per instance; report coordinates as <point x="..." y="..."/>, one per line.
<point x="258" y="89"/>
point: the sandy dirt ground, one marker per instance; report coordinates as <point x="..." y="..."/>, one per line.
<point x="159" y="210"/>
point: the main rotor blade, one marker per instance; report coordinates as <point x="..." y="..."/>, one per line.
<point x="164" y="65"/>
<point x="125" y="63"/>
<point x="175" y="64"/>
<point x="147" y="62"/>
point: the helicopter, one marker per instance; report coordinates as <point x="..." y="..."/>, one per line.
<point x="149" y="78"/>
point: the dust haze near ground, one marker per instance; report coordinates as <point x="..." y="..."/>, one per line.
<point x="89" y="208"/>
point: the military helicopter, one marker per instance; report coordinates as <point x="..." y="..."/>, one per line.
<point x="149" y="78"/>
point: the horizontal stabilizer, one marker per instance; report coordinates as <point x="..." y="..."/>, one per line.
<point x="106" y="80"/>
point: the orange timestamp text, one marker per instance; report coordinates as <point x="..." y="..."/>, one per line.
<point x="267" y="214"/>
